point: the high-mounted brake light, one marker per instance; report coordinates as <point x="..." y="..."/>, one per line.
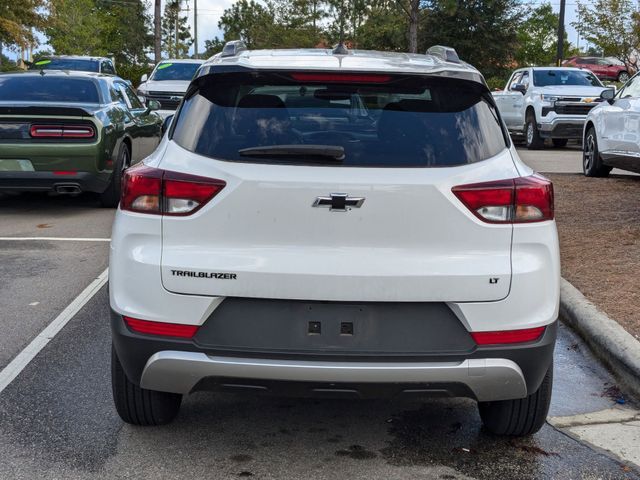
<point x="508" y="336"/>
<point x="62" y="131"/>
<point x="161" y="328"/>
<point x="340" y="77"/>
<point x="160" y="192"/>
<point x="517" y="200"/>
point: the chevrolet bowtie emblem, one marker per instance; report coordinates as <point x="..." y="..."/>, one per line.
<point x="339" y="202"/>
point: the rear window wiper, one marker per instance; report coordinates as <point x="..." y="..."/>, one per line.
<point x="332" y="152"/>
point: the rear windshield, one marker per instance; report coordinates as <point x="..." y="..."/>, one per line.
<point x="29" y="88"/>
<point x="79" y="64"/>
<point x="546" y="78"/>
<point x="375" y="121"/>
<point x="175" y="71"/>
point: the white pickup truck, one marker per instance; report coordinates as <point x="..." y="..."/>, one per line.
<point x="548" y="102"/>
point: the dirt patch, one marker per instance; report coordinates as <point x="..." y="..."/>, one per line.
<point x="599" y="227"/>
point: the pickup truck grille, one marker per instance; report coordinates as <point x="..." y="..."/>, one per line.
<point x="168" y="100"/>
<point x="573" y="109"/>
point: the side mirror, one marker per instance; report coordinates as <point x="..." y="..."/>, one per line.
<point x="166" y="124"/>
<point x="608" y="95"/>
<point x="144" y="78"/>
<point x="143" y="99"/>
<point x="153" y="105"/>
<point x="519" y="87"/>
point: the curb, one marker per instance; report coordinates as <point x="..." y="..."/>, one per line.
<point x="611" y="343"/>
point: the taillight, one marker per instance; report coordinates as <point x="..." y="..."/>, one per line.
<point x="517" y="200"/>
<point x="161" y="328"/>
<point x="62" y="131"/>
<point x="160" y="192"/>
<point x="508" y="336"/>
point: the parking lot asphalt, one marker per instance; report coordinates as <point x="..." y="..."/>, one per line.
<point x="57" y="419"/>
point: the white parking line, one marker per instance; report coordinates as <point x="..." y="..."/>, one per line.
<point x="56" y="239"/>
<point x="11" y="371"/>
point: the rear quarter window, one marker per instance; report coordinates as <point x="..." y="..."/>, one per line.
<point x="22" y="88"/>
<point x="402" y="122"/>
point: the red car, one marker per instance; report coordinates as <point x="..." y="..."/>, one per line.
<point x="605" y="68"/>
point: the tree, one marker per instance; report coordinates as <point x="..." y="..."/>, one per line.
<point x="99" y="27"/>
<point x="483" y="32"/>
<point x="75" y="27"/>
<point x="211" y="47"/>
<point x="616" y="33"/>
<point x="126" y="28"/>
<point x="248" y="20"/>
<point x="538" y="37"/>
<point x="384" y="28"/>
<point x="411" y="8"/>
<point x="17" y="21"/>
<point x="176" y="37"/>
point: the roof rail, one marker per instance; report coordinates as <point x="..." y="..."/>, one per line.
<point x="447" y="54"/>
<point x="233" y="48"/>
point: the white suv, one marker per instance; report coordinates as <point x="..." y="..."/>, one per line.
<point x="349" y="224"/>
<point x="611" y="133"/>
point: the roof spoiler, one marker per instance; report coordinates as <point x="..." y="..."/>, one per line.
<point x="233" y="48"/>
<point x="447" y="54"/>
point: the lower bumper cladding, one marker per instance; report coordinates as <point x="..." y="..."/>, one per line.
<point x="489" y="379"/>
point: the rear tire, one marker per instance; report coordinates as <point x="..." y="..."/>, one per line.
<point x="532" y="135"/>
<point x="623" y="77"/>
<point x="111" y="196"/>
<point x="519" y="417"/>
<point x="592" y="165"/>
<point x="139" y="406"/>
<point x="559" y="142"/>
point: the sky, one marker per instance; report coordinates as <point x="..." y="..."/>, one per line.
<point x="210" y="11"/>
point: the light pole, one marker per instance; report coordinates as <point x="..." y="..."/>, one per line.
<point x="195" y="27"/>
<point x="560" y="53"/>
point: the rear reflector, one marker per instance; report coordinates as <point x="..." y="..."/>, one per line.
<point x="517" y="200"/>
<point x="160" y="192"/>
<point x="340" y="77"/>
<point x="161" y="328"/>
<point x="61" y="131"/>
<point x="507" y="336"/>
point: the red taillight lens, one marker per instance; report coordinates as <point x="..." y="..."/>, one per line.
<point x="340" y="77"/>
<point x="62" y="131"/>
<point x="161" y="328"/>
<point x="508" y="336"/>
<point x="152" y="190"/>
<point x="534" y="199"/>
<point x="142" y="189"/>
<point x="518" y="200"/>
<point x="185" y="194"/>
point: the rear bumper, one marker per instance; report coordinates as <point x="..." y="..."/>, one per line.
<point x="183" y="366"/>
<point x="487" y="378"/>
<point x="49" y="181"/>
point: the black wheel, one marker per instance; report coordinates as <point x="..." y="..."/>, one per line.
<point x="623" y="77"/>
<point x="591" y="162"/>
<point x="111" y="196"/>
<point x="520" y="417"/>
<point x="139" y="406"/>
<point x="559" y="142"/>
<point x="533" y="138"/>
